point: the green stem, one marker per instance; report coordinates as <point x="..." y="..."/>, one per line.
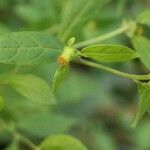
<point x="27" y="141"/>
<point x="116" y="72"/>
<point x="12" y="130"/>
<point x="104" y="37"/>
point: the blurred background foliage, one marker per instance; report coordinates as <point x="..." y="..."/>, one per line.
<point x="94" y="106"/>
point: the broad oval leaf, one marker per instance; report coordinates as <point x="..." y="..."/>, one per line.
<point x="144" y="17"/>
<point x="59" y="76"/>
<point x="28" y="47"/>
<point x="142" y="45"/>
<point x="32" y="87"/>
<point x="62" y="142"/>
<point x="144" y="104"/>
<point x="109" y="53"/>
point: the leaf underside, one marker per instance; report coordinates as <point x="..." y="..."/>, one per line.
<point x="32" y="87"/>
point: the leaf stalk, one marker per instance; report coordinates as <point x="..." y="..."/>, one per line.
<point x="100" y="38"/>
<point x="116" y="72"/>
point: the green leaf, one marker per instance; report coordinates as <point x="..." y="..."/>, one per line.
<point x="109" y="53"/>
<point x="59" y="76"/>
<point x="62" y="142"/>
<point x="142" y="45"/>
<point x="26" y="48"/>
<point x="2" y="103"/>
<point x="144" y="91"/>
<point x="45" y="123"/>
<point x="32" y="87"/>
<point x="144" y="17"/>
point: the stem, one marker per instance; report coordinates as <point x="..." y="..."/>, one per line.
<point x="19" y="136"/>
<point x="116" y="72"/>
<point x="104" y="37"/>
<point x="27" y="141"/>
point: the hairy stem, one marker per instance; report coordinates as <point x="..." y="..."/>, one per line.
<point x="104" y="37"/>
<point x="116" y="72"/>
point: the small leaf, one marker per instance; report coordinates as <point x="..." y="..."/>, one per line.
<point x="144" y="91"/>
<point x="2" y="104"/>
<point x="59" y="76"/>
<point x="144" y="17"/>
<point x="71" y="41"/>
<point x="32" y="87"/>
<point x="62" y="142"/>
<point x="109" y="53"/>
<point x="142" y="45"/>
<point x="26" y="48"/>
